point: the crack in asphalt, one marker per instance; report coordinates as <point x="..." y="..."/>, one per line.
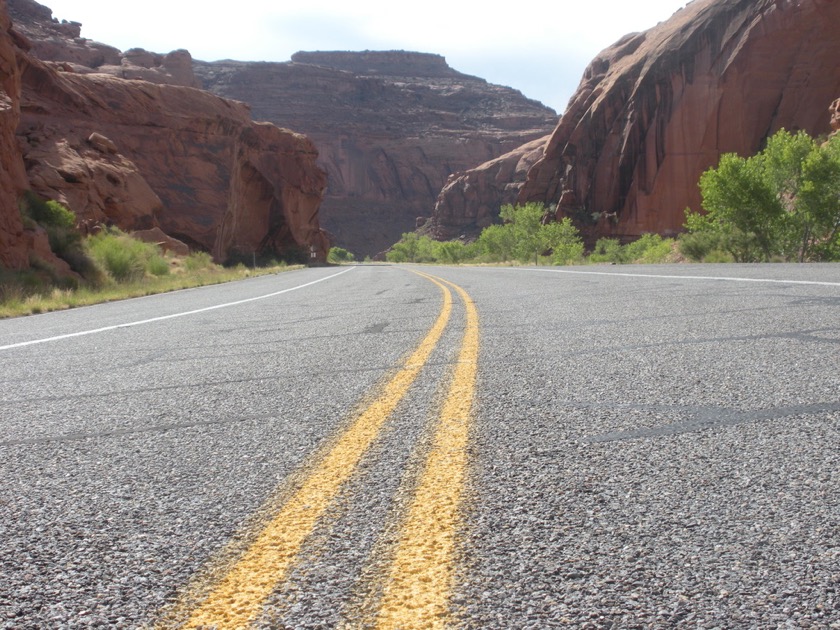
<point x="710" y="418"/>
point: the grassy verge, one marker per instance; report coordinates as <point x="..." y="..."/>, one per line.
<point x="19" y="296"/>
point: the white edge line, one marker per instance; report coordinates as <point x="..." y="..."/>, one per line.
<point x="652" y="275"/>
<point x="94" y="331"/>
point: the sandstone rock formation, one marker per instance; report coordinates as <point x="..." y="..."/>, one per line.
<point x="52" y="40"/>
<point x="13" y="250"/>
<point x="390" y="127"/>
<point x="658" y="108"/>
<point x="144" y="155"/>
<point x="470" y="201"/>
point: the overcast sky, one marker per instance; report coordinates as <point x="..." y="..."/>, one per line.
<point x="539" y="47"/>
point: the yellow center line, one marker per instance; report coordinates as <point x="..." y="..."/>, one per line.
<point x="417" y="591"/>
<point x="238" y="598"/>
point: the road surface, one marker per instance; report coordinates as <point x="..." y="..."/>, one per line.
<point x="413" y="446"/>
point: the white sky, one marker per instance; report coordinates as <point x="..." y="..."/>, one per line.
<point x="540" y="47"/>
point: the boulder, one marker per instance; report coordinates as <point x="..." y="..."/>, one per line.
<point x="162" y="239"/>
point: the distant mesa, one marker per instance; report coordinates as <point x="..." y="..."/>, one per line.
<point x="391" y="127"/>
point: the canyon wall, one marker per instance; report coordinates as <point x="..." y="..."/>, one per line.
<point x="13" y="250"/>
<point x="390" y="127"/>
<point x="143" y="154"/>
<point x="656" y="109"/>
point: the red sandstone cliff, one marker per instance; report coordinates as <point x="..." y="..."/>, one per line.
<point x="13" y="251"/>
<point x="658" y="108"/>
<point x="154" y="155"/>
<point x="470" y="201"/>
<point x="391" y="127"/>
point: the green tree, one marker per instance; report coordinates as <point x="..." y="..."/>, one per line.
<point x="339" y="255"/>
<point x="564" y="241"/>
<point x="525" y="223"/>
<point x="497" y="243"/>
<point x="783" y="202"/>
<point x="404" y="250"/>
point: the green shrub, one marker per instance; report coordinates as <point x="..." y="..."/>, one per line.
<point x="607" y="250"/>
<point x="649" y="249"/>
<point x="47" y="213"/>
<point x="718" y="256"/>
<point x="157" y="265"/>
<point x="339" y="255"/>
<point x="696" y="246"/>
<point x="198" y="260"/>
<point x="123" y="258"/>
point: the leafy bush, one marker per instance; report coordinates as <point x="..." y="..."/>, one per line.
<point x="452" y="252"/>
<point x="781" y="203"/>
<point x="607" y="250"/>
<point x="123" y="258"/>
<point x="338" y="255"/>
<point x="64" y="237"/>
<point x="47" y="213"/>
<point x="198" y="260"/>
<point x="157" y="265"/>
<point x="648" y="249"/>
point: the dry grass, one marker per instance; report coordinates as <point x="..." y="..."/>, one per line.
<point x="20" y="298"/>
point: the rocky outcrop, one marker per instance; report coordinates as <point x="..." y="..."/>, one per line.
<point x="470" y="201"/>
<point x="658" y="108"/>
<point x="14" y="253"/>
<point x="144" y="155"/>
<point x="62" y="43"/>
<point x="184" y="160"/>
<point x="391" y="127"/>
<point x="52" y="40"/>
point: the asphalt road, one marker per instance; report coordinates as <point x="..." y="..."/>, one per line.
<point x="642" y="447"/>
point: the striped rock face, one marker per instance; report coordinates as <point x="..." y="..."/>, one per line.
<point x="658" y="108"/>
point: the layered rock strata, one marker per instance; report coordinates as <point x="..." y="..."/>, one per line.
<point x="143" y="155"/>
<point x="391" y="127"/>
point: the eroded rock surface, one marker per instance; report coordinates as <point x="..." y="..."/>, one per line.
<point x="470" y="201"/>
<point x="143" y="155"/>
<point x="14" y="252"/>
<point x="658" y="108"/>
<point x="391" y="127"/>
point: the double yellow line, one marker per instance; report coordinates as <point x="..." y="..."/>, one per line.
<point x="417" y="588"/>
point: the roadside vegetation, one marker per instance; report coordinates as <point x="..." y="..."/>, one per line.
<point x="110" y="265"/>
<point x="525" y="238"/>
<point x="782" y="204"/>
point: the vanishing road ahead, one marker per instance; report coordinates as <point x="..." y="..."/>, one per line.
<point x="401" y="447"/>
